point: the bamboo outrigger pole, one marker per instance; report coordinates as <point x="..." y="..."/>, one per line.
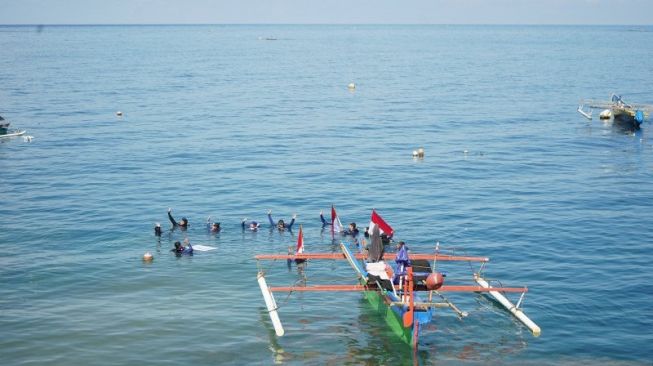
<point x="270" y="304"/>
<point x="516" y="312"/>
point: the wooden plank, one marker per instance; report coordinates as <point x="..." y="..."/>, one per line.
<point x="481" y="289"/>
<point x="387" y="256"/>
<point x="351" y="288"/>
<point x="322" y="288"/>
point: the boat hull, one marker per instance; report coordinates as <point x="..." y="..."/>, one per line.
<point x="382" y="302"/>
<point x="391" y="314"/>
<point x="385" y="303"/>
<point x="628" y="118"/>
<point x="12" y="134"/>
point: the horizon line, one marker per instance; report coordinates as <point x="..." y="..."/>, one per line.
<point x="321" y="24"/>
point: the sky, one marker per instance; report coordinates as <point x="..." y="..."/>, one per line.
<point x="626" y="12"/>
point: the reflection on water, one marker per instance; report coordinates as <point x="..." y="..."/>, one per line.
<point x="279" y="355"/>
<point x="377" y="344"/>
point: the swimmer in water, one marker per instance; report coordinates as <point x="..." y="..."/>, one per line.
<point x="157" y="229"/>
<point x="213" y="227"/>
<point x="252" y="225"/>
<point x="324" y="221"/>
<point x="353" y="231"/>
<point x="281" y="225"/>
<point x="180" y="250"/>
<point x="183" y="223"/>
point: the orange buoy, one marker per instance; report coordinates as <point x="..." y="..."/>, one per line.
<point x="434" y="281"/>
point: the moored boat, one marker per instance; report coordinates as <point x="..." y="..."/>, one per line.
<point x="6" y="132"/>
<point x="401" y="287"/>
<point x="626" y="114"/>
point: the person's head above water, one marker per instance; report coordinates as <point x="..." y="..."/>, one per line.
<point x="253" y="225"/>
<point x="178" y="246"/>
<point x="281" y="224"/>
<point x="215" y="227"/>
<point x="183" y="222"/>
<point x="352" y="226"/>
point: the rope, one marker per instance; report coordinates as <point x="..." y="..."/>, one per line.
<point x="261" y="268"/>
<point x="283" y="303"/>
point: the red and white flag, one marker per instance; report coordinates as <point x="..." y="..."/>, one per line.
<point x="300" y="242"/>
<point x="336" y="225"/>
<point x="384" y="228"/>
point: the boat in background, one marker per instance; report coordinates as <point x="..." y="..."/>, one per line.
<point x="401" y="287"/>
<point x="6" y="132"/>
<point x="631" y="115"/>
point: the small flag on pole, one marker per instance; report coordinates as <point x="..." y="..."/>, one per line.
<point x="336" y="225"/>
<point x="376" y="219"/>
<point x="300" y="242"/>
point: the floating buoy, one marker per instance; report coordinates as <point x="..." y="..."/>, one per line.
<point x="119" y="114"/>
<point x="434" y="281"/>
<point x="351" y="86"/>
<point x="147" y="257"/>
<point x="606" y="114"/>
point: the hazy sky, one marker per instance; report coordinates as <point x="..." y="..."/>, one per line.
<point x="327" y="11"/>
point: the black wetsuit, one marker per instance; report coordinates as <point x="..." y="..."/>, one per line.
<point x="351" y="232"/>
<point x="175" y="223"/>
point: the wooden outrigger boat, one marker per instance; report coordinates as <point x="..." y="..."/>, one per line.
<point x="616" y="109"/>
<point x="402" y="293"/>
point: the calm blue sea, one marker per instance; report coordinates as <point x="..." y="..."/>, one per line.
<point x="219" y="121"/>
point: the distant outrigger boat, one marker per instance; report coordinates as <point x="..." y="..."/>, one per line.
<point x="395" y="291"/>
<point x="5" y="132"/>
<point x="616" y="108"/>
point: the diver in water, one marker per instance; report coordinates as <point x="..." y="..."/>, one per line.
<point x="281" y="225"/>
<point x="252" y="225"/>
<point x="212" y="227"/>
<point x="324" y="221"/>
<point x="180" y="250"/>
<point x="183" y="223"/>
<point x="157" y="229"/>
<point x="353" y="230"/>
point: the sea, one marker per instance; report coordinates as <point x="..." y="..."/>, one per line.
<point x="231" y="121"/>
